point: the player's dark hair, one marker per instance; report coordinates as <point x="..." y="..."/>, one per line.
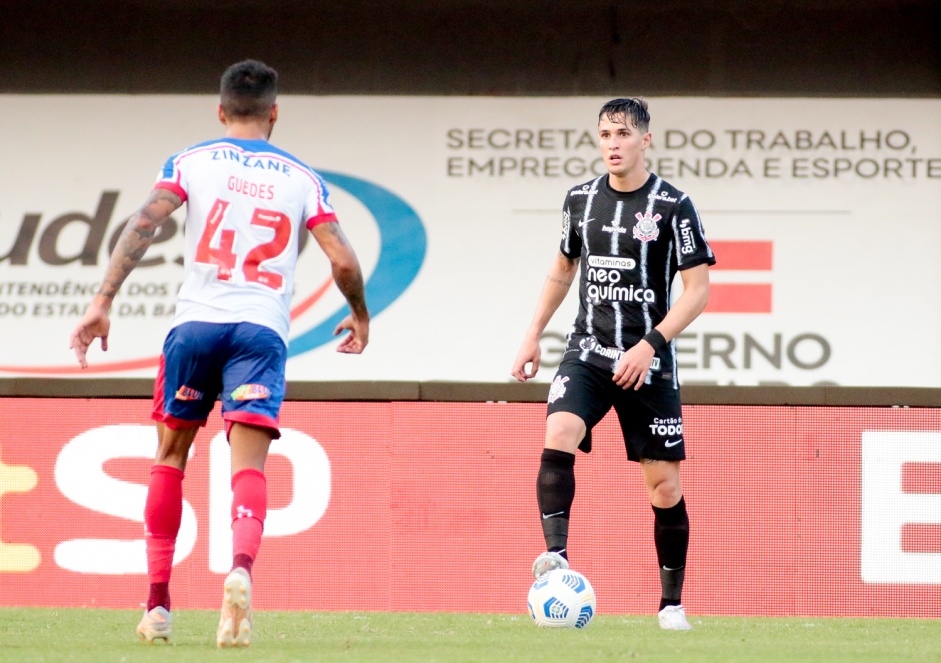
<point x="618" y="110"/>
<point x="248" y="89"/>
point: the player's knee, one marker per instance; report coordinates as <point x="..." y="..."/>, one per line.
<point x="665" y="489"/>
<point x="174" y="457"/>
<point x="564" y="431"/>
<point x="174" y="446"/>
<point x="666" y="494"/>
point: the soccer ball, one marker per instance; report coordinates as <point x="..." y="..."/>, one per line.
<point x="562" y="598"/>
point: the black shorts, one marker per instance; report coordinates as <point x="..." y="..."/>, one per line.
<point x="651" y="418"/>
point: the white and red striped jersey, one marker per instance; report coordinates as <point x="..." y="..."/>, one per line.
<point x="247" y="201"/>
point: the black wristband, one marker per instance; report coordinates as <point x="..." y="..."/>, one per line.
<point x="656" y="340"/>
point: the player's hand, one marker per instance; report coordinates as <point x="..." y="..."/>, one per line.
<point x="529" y="354"/>
<point x="633" y="366"/>
<point x="94" y="324"/>
<point x="354" y="342"/>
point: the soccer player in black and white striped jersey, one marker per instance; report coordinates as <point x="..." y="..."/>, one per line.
<point x="625" y="235"/>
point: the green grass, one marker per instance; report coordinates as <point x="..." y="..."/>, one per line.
<point x="98" y="635"/>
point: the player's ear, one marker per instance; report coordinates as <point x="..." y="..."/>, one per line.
<point x="221" y="114"/>
<point x="274" y="114"/>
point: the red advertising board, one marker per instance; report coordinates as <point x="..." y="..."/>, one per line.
<point x="422" y="506"/>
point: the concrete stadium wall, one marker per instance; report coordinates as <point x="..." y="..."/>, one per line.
<point x="866" y="48"/>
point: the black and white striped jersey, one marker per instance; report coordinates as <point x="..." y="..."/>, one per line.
<point x="630" y="246"/>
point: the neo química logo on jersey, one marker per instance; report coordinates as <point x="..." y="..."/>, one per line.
<point x="55" y="262"/>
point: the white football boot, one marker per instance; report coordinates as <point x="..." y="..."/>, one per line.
<point x="155" y="624"/>
<point x="235" y="622"/>
<point x="548" y="561"/>
<point x="673" y="618"/>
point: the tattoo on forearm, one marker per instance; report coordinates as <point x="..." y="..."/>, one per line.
<point x="346" y="272"/>
<point x="554" y="279"/>
<point x="136" y="238"/>
<point x="351" y="285"/>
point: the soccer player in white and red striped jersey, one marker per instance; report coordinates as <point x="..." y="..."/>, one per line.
<point x="247" y="203"/>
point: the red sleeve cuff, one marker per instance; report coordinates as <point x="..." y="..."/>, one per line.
<point x="172" y="186"/>
<point x="322" y="218"/>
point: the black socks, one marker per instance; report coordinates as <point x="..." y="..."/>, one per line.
<point x="671" y="536"/>
<point x="555" y="492"/>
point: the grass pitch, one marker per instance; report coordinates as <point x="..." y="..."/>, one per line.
<point x="99" y="635"/>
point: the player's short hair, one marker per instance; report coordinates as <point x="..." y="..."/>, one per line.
<point x="618" y="110"/>
<point x="248" y="89"/>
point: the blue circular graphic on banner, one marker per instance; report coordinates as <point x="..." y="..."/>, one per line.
<point x="402" y="246"/>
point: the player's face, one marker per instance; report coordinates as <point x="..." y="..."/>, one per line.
<point x="622" y="145"/>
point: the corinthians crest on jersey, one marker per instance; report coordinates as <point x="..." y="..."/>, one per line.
<point x="646" y="229"/>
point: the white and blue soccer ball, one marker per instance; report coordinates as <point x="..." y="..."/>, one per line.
<point x="562" y="598"/>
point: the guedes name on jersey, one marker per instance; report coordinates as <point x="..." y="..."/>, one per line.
<point x="250" y="160"/>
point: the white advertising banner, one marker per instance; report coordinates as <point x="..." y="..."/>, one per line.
<point x="825" y="216"/>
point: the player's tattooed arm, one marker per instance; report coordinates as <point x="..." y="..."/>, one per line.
<point x="352" y="287"/>
<point x="560" y="278"/>
<point x="136" y="238"/>
<point x="563" y="271"/>
<point x="349" y="279"/>
<point x="344" y="264"/>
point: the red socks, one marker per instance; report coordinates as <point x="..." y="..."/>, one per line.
<point x="249" y="509"/>
<point x="162" y="514"/>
